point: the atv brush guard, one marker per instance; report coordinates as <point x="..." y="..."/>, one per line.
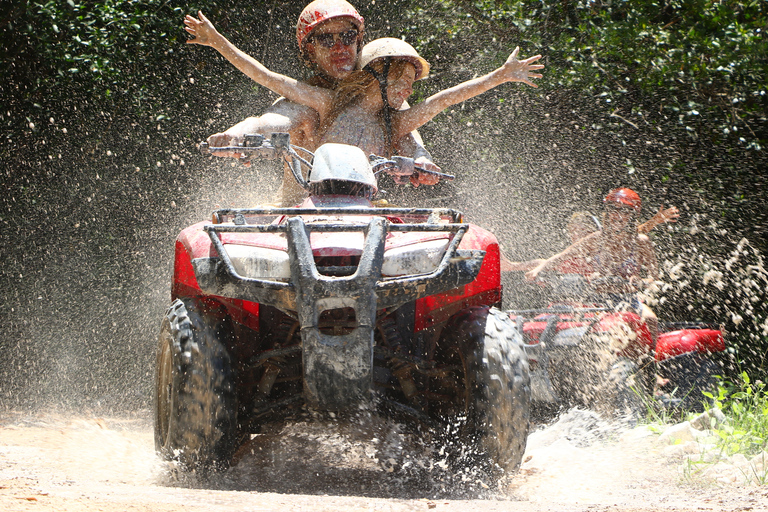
<point x="310" y="293"/>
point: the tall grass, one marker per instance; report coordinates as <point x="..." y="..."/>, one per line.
<point x="745" y="404"/>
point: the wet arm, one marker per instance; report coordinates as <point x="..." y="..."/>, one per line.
<point x="669" y="215"/>
<point x="513" y="70"/>
<point x="579" y="248"/>
<point x="282" y="116"/>
<point x="524" y="266"/>
<point x="205" y="34"/>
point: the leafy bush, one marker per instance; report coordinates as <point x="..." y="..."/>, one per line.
<point x="693" y="65"/>
<point x="745" y="403"/>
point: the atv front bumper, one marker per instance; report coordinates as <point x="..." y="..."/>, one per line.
<point x="338" y="369"/>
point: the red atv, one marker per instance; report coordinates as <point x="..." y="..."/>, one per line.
<point x="337" y="305"/>
<point x="592" y="355"/>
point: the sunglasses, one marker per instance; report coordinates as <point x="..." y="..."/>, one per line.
<point x="623" y="211"/>
<point x="347" y="38"/>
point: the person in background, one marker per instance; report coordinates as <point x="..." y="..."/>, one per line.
<point x="582" y="224"/>
<point x="622" y="261"/>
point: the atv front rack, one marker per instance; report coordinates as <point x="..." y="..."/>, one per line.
<point x="430" y="215"/>
<point x="338" y="370"/>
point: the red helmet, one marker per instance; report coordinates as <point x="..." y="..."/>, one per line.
<point x="623" y="197"/>
<point x="324" y="10"/>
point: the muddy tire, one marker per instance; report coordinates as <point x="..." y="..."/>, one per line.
<point x="578" y="372"/>
<point x="195" y="402"/>
<point x="497" y="390"/>
<point x="624" y="394"/>
<point x="690" y="375"/>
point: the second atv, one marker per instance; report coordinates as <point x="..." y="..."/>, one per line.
<point x="591" y="355"/>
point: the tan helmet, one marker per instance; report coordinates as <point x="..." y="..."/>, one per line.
<point x="395" y="48"/>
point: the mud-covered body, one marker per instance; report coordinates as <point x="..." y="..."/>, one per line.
<point x="337" y="305"/>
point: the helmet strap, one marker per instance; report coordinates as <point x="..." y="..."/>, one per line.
<point x="382" y="79"/>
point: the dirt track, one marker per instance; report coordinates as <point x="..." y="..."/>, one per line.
<point x="89" y="463"/>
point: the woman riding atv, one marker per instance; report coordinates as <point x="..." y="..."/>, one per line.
<point x="622" y="261"/>
<point x="329" y="60"/>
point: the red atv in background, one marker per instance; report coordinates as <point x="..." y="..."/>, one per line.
<point x="591" y="355"/>
<point x="337" y="305"/>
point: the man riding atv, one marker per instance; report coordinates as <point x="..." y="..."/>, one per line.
<point x="330" y="36"/>
<point x="598" y="344"/>
<point x="582" y="224"/>
<point x="622" y="260"/>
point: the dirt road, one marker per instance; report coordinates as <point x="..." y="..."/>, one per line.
<point x="88" y="463"/>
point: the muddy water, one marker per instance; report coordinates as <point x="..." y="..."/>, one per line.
<point x="578" y="463"/>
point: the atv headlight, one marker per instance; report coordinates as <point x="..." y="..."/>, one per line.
<point x="258" y="262"/>
<point x="420" y="258"/>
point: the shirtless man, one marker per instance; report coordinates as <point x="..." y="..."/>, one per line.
<point x="328" y="46"/>
<point x="616" y="251"/>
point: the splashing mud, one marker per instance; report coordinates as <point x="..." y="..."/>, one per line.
<point x="579" y="462"/>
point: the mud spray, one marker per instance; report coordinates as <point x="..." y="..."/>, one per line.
<point x="103" y="453"/>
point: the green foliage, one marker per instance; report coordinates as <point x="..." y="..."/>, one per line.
<point x="98" y="46"/>
<point x="698" y="65"/>
<point x="745" y="403"/>
<point x="697" y="59"/>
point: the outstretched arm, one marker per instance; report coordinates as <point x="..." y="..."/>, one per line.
<point x="669" y="215"/>
<point x="520" y="266"/>
<point x="581" y="248"/>
<point x="512" y="71"/>
<point x="204" y="33"/>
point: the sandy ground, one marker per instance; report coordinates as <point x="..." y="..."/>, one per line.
<point x="88" y="463"/>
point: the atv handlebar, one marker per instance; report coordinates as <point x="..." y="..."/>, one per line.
<point x="279" y="145"/>
<point x="402" y="168"/>
<point x="254" y="145"/>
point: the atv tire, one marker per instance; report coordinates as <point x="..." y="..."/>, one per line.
<point x="624" y="394"/>
<point x="195" y="401"/>
<point x="497" y="389"/>
<point x="690" y="375"/>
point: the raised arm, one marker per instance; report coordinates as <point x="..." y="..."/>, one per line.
<point x="669" y="215"/>
<point x="205" y="34"/>
<point x="512" y="71"/>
